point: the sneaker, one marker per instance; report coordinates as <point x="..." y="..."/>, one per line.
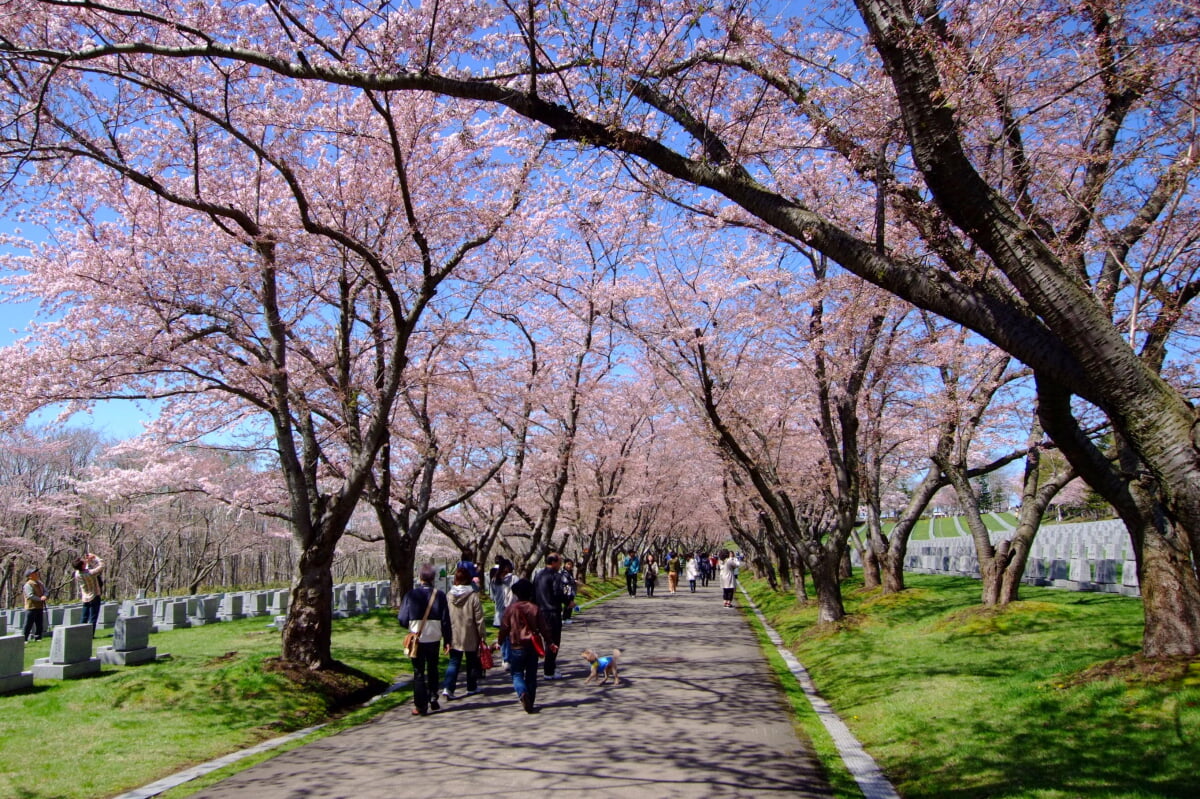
<point x="472" y="693"/>
<point x="448" y="694"/>
<point x="526" y="703"/>
<point x="433" y="704"/>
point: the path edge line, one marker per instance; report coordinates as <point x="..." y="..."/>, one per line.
<point x="866" y="772"/>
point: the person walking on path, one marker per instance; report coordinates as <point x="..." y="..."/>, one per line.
<point x="35" y="605"/>
<point x="521" y="625"/>
<point x="729" y="572"/>
<point x="87" y="577"/>
<point x="691" y="570"/>
<point x="673" y="565"/>
<point x="426" y="612"/>
<point x="631" y="565"/>
<point x="466" y="633"/>
<point x="650" y="568"/>
<point x="548" y="593"/>
<point x="570" y="589"/>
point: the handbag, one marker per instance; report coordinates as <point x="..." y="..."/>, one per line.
<point x="539" y="645"/>
<point x="485" y="655"/>
<point x="412" y="640"/>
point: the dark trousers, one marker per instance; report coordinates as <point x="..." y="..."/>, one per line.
<point x="425" y="674"/>
<point x="631" y="583"/>
<point x="474" y="670"/>
<point x="35" y="622"/>
<point x="554" y="622"/>
<point x="650" y="581"/>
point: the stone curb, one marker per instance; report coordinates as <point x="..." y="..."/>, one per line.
<point x="861" y="765"/>
<point x="165" y="784"/>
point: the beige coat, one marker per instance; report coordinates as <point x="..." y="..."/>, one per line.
<point x="466" y="619"/>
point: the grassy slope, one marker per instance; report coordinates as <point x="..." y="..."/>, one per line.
<point x="957" y="701"/>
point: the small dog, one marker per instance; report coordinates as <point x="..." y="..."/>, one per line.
<point x="602" y="665"/>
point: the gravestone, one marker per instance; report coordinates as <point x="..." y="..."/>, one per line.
<point x="174" y="615"/>
<point x="256" y="604"/>
<point x="73" y="615"/>
<point x="206" y="611"/>
<point x="12" y="660"/>
<point x="368" y="598"/>
<point x="4" y="625"/>
<point x="280" y="602"/>
<point x="70" y="655"/>
<point x="231" y="608"/>
<point x="1106" y="575"/>
<point x="108" y="614"/>
<point x="131" y="638"/>
<point x="1129" y="579"/>
<point x="54" y="615"/>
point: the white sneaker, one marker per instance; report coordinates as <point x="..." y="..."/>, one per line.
<point x="447" y="694"/>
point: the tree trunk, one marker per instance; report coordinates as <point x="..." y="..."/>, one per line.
<point x="400" y="552"/>
<point x="799" y="570"/>
<point x="829" y="590"/>
<point x="1170" y="595"/>
<point x="307" y="634"/>
<point x="872" y="578"/>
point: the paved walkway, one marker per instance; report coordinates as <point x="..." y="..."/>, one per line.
<point x="697" y="714"/>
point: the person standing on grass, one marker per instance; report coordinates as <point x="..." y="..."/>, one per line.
<point x="548" y="593"/>
<point x="35" y="605"/>
<point x="467" y="632"/>
<point x="426" y="602"/>
<point x="87" y="577"/>
<point x="729" y="571"/>
<point x="631" y="565"/>
<point x="522" y="623"/>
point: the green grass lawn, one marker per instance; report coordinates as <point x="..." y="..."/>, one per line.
<point x="1043" y="699"/>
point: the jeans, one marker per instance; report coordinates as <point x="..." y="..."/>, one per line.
<point x="91" y="613"/>
<point x="524" y="663"/>
<point x="692" y="584"/>
<point x="425" y="674"/>
<point x="474" y="670"/>
<point x="650" y="581"/>
<point x="631" y="583"/>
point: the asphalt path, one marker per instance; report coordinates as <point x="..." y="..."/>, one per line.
<point x="698" y="713"/>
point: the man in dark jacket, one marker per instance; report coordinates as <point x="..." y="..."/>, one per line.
<point x="434" y="629"/>
<point x="548" y="594"/>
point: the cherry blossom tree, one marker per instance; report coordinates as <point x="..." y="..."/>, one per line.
<point x="257" y="253"/>
<point x="1039" y="167"/>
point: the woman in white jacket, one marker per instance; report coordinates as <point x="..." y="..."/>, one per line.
<point x="729" y="572"/>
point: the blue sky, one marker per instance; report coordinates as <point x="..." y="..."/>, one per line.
<point x="116" y="420"/>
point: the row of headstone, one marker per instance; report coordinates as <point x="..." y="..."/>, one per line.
<point x="1088" y="556"/>
<point x="71" y="653"/>
<point x="133" y="621"/>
